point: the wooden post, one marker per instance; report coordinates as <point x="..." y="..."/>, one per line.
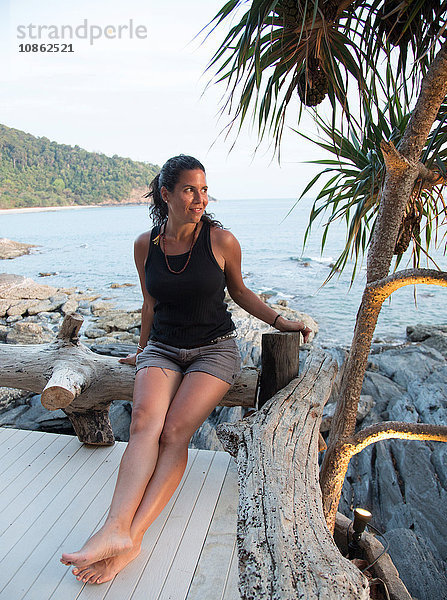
<point x="280" y="362"/>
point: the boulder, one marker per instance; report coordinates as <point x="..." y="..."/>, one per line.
<point x="11" y="249"/>
<point x="9" y="418"/>
<point x="101" y="308"/>
<point x="17" y="287"/>
<point x="425" y="573"/>
<point x="365" y="405"/>
<point x="41" y="306"/>
<point x="120" y="321"/>
<point x="20" y="307"/>
<point x="94" y="332"/>
<point x="70" y="306"/>
<point x="57" y="300"/>
<point x="3" y="333"/>
<point x="404" y="483"/>
<point x="4" y="305"/>
<point x="121" y="285"/>
<point x="25" y="332"/>
<point x="11" y="397"/>
<point x="120" y="416"/>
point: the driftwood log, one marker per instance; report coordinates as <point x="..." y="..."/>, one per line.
<point x="285" y="548"/>
<point x="83" y="384"/>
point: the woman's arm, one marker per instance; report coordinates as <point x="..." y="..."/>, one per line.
<point x="141" y="248"/>
<point x="229" y="250"/>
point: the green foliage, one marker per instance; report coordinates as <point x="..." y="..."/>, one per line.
<point x="274" y="43"/>
<point x="37" y="172"/>
<point x="355" y="176"/>
<point x="278" y="46"/>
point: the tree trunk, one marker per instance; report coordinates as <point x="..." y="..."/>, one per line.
<point x="401" y="172"/>
<point x="285" y="547"/>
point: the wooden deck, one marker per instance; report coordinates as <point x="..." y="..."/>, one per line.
<point x="54" y="492"/>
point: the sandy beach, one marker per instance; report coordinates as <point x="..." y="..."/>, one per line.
<point x="50" y="208"/>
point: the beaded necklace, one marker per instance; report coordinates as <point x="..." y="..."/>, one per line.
<point x="163" y="236"/>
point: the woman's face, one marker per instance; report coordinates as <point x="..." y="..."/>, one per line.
<point x="188" y="201"/>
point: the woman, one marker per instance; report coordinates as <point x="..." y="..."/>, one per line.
<point x="186" y="360"/>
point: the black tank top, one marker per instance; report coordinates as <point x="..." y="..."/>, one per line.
<point x="189" y="310"/>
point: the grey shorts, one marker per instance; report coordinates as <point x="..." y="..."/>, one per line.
<point x="221" y="359"/>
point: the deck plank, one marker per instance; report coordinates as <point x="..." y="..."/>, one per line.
<point x="156" y="567"/>
<point x="39" y="473"/>
<point x="185" y="560"/>
<point x="51" y="480"/>
<point x="57" y="492"/>
<point x="21" y="473"/>
<point x="56" y="518"/>
<point x="17" y="451"/>
<point x="6" y="434"/>
<point x="212" y="574"/>
<point x="126" y="581"/>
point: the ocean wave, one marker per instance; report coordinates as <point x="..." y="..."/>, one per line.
<point x="307" y="260"/>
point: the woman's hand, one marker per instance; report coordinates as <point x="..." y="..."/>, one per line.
<point x="286" y="325"/>
<point x="130" y="359"/>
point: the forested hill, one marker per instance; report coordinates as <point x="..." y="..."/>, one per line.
<point x="37" y="172"/>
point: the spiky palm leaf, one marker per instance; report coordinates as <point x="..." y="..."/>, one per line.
<point x="267" y="53"/>
<point x="355" y="178"/>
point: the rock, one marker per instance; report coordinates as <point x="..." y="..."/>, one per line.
<point x="13" y="319"/>
<point x="404" y="483"/>
<point x="41" y="306"/>
<point x="119" y="350"/>
<point x="120" y="417"/>
<point x="205" y="437"/>
<point x="365" y="405"/>
<point x="419" y="333"/>
<point x="17" y="287"/>
<point x="406" y="364"/>
<point x="9" y="418"/>
<point x="3" y="333"/>
<point x="10" y="249"/>
<point x="25" y="332"/>
<point x="94" y="332"/>
<point x="120" y="321"/>
<point x="434" y="336"/>
<point x="4" y="305"/>
<point x="381" y="388"/>
<point x="57" y="300"/>
<point x="70" y="306"/>
<point x="20" y="308"/>
<point x="48" y="274"/>
<point x="121" y="285"/>
<point x="100" y="309"/>
<point x="11" y="397"/>
<point x="428" y="580"/>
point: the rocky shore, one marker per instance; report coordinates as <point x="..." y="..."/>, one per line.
<point x="404" y="484"/>
<point x="11" y="249"/>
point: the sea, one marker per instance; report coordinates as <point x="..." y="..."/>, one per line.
<point x="92" y="247"/>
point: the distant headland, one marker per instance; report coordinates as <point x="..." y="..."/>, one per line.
<point x="38" y="173"/>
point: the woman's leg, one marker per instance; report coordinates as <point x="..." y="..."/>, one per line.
<point x="198" y="394"/>
<point x="153" y="392"/>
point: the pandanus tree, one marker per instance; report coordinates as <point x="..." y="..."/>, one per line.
<point x="381" y="65"/>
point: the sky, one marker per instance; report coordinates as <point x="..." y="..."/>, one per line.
<point x="142" y="95"/>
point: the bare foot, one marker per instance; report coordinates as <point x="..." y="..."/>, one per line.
<point x="106" y="569"/>
<point x="103" y="544"/>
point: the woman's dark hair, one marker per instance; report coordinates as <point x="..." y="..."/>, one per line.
<point x="168" y="177"/>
